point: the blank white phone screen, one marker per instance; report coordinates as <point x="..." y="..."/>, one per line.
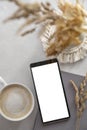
<point x="50" y="92"/>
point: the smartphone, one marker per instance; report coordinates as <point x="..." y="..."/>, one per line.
<point x="50" y="91"/>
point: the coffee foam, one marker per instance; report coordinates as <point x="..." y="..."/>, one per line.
<point x="16" y="101"/>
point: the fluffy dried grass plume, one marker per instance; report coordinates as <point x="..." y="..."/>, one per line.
<point x="69" y="24"/>
<point x="80" y="99"/>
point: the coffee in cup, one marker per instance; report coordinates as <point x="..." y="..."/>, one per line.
<point x="16" y="102"/>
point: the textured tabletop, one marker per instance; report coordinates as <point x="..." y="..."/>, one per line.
<point x="16" y="53"/>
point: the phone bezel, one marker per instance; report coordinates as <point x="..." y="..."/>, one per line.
<point x="44" y="63"/>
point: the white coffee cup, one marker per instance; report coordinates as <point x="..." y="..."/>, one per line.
<point x="16" y="101"/>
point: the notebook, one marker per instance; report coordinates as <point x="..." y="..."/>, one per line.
<point x="71" y="122"/>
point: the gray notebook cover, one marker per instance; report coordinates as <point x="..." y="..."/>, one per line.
<point x="70" y="123"/>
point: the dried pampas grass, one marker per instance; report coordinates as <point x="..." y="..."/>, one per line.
<point x="80" y="99"/>
<point x="69" y="24"/>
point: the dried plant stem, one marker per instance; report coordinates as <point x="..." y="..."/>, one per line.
<point x="14" y="15"/>
<point x="27" y="32"/>
<point x="80" y="99"/>
<point x="78" y="124"/>
<point x="29" y="21"/>
<point x="43" y="19"/>
<point x="20" y="4"/>
<point x="17" y="15"/>
<point x="75" y="86"/>
<point x="77" y="98"/>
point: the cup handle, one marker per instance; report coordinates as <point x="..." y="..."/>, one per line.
<point x="2" y="82"/>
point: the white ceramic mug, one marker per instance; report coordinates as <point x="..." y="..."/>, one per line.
<point x="16" y="101"/>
